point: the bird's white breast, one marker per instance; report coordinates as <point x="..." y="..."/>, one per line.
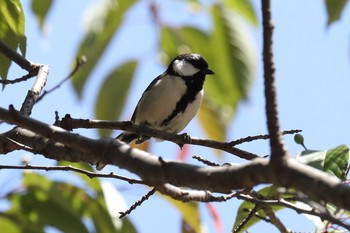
<point x="159" y="102"/>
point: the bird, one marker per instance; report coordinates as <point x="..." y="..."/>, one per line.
<point x="171" y="100"/>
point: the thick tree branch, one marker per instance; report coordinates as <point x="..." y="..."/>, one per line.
<point x="276" y="144"/>
<point x="316" y="184"/>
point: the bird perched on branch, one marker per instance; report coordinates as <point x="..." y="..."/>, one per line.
<point x="172" y="99"/>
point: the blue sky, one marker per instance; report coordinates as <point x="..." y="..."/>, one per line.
<point x="313" y="80"/>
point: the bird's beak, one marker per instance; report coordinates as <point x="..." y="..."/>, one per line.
<point x="208" y="71"/>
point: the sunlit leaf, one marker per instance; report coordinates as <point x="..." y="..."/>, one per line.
<point x="101" y="218"/>
<point x="313" y="158"/>
<point x="40" y="8"/>
<point x="334" y="9"/>
<point x="11" y="31"/>
<point x="92" y="183"/>
<point x="113" y="93"/>
<point x="244" y="8"/>
<point x="336" y="161"/>
<point x="8" y="225"/>
<point x="53" y="204"/>
<point x="333" y="161"/>
<point x="14" y="220"/>
<point x="212" y="120"/>
<point x="102" y="26"/>
<point x="115" y="204"/>
<point x="234" y="58"/>
<point x="246" y="207"/>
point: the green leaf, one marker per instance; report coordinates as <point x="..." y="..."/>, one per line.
<point x="14" y="220"/>
<point x="313" y="158"/>
<point x="92" y="183"/>
<point x="53" y="203"/>
<point x="234" y="58"/>
<point x="11" y="31"/>
<point x="102" y="27"/>
<point x="40" y="8"/>
<point x="336" y="161"/>
<point x="334" y="10"/>
<point x="244" y="8"/>
<point x="212" y="120"/>
<point x="245" y="208"/>
<point x="113" y="93"/>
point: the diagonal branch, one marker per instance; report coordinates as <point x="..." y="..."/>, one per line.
<point x="16" y="57"/>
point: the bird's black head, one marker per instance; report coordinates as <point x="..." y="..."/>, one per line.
<point x="188" y="65"/>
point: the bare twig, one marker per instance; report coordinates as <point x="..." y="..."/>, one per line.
<point x="16" y="57"/>
<point x="283" y="202"/>
<point x="36" y="89"/>
<point x="205" y="161"/>
<point x="89" y="174"/>
<point x="274" y="219"/>
<point x="137" y="203"/>
<point x="41" y="71"/>
<point x="80" y="61"/>
<point x="22" y="79"/>
<point x="263" y="137"/>
<point x="186" y="195"/>
<point x="276" y="144"/>
<point x="246" y="220"/>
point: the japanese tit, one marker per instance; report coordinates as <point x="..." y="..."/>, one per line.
<point x="172" y="99"/>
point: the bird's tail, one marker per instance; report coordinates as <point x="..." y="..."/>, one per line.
<point x="127" y="138"/>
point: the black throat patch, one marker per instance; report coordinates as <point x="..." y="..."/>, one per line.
<point x="194" y="86"/>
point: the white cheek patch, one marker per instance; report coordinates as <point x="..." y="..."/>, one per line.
<point x="184" y="68"/>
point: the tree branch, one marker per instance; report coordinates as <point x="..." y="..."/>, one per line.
<point x="70" y="123"/>
<point x="276" y="144"/>
<point x="35" y="91"/>
<point x="89" y="174"/>
<point x="16" y="57"/>
<point x="316" y="184"/>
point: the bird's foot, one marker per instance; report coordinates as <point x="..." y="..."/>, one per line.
<point x="186" y="139"/>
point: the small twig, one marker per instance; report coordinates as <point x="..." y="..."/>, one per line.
<point x="36" y="89"/>
<point x="137" y="203"/>
<point x="283" y="202"/>
<point x="80" y="61"/>
<point x="16" y="57"/>
<point x="186" y="195"/>
<point x="22" y="79"/>
<point x="274" y="219"/>
<point x="246" y="220"/>
<point x="205" y="161"/>
<point x="263" y="137"/>
<point x="89" y="174"/>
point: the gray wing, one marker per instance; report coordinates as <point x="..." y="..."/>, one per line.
<point x="147" y="89"/>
